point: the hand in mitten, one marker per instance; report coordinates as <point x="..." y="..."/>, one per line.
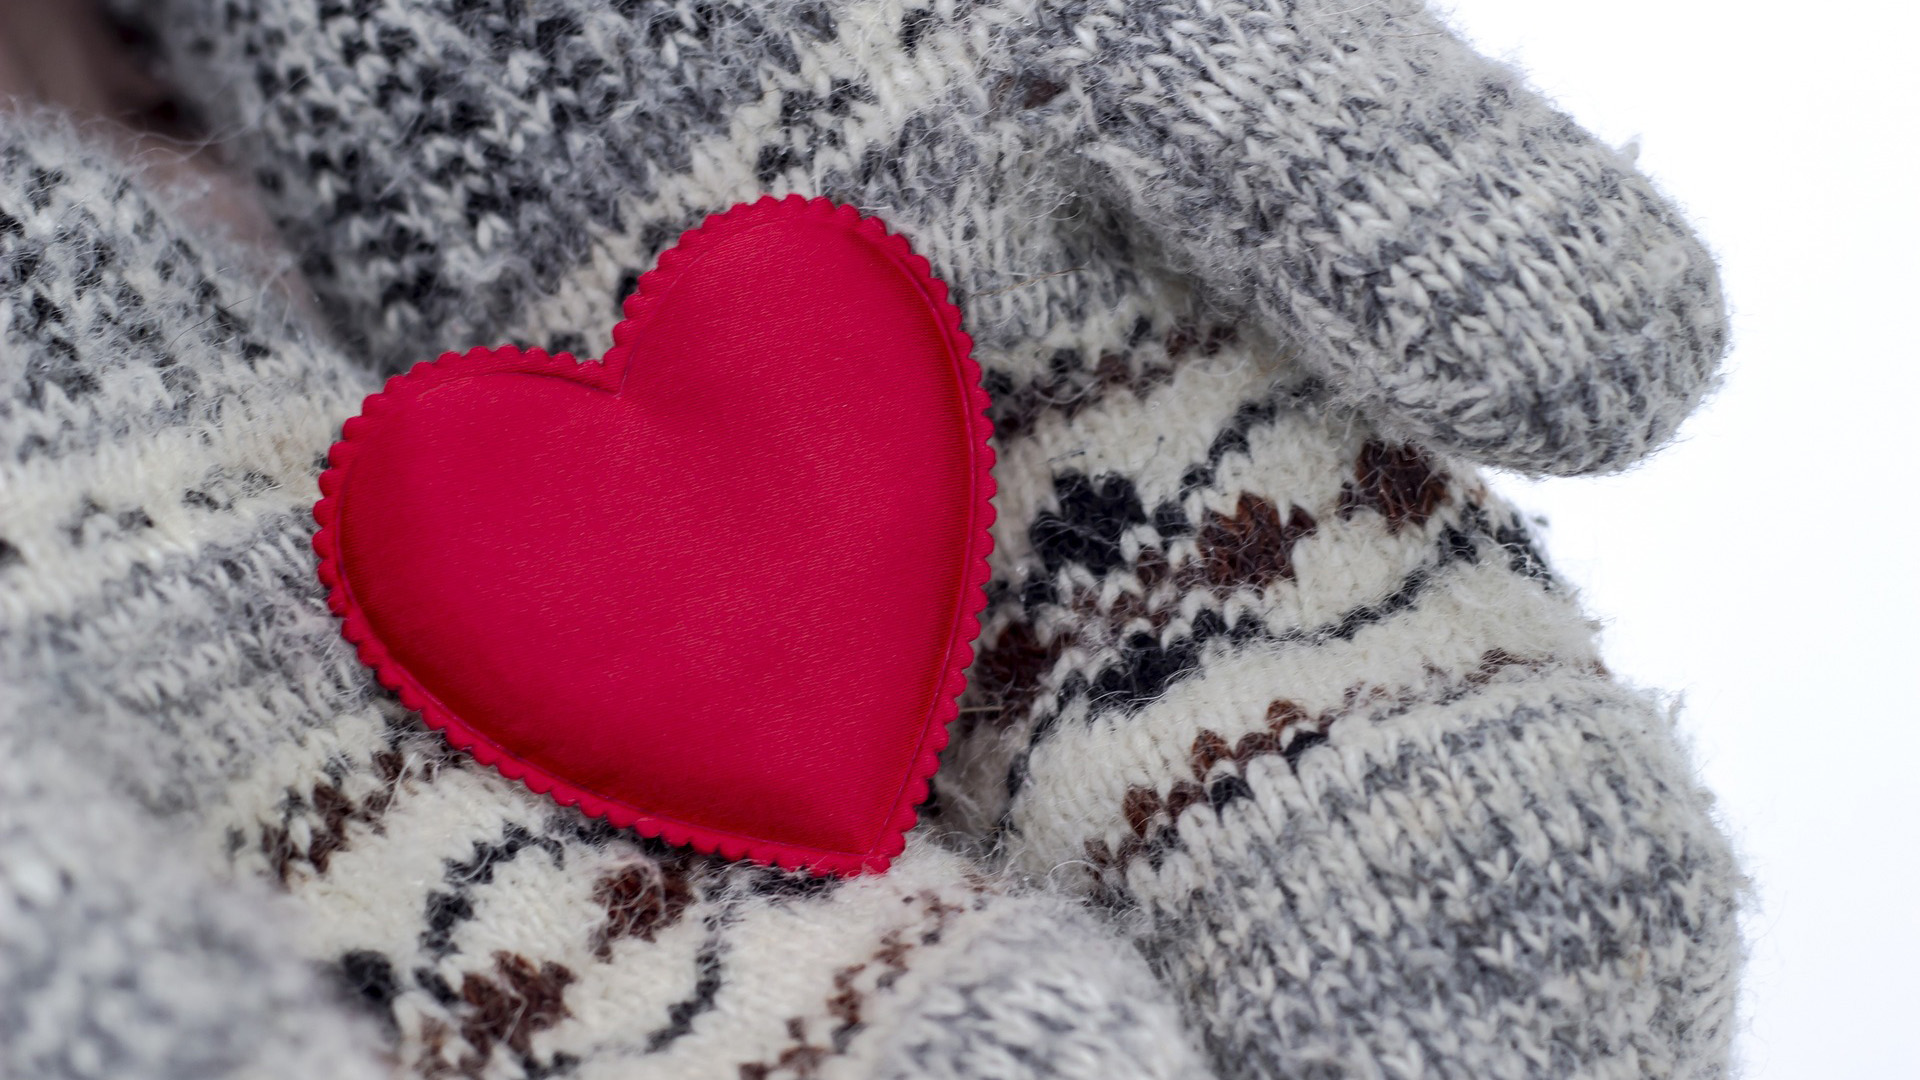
<point x="1253" y="287"/>
<point x="178" y="710"/>
<point x="120" y="957"/>
<point x="1285" y="674"/>
<point x="1458" y="260"/>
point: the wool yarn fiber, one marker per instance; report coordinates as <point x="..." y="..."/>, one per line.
<point x="1286" y="753"/>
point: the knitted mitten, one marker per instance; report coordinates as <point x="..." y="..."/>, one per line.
<point x="119" y="957"/>
<point x="1255" y="285"/>
<point x="177" y="709"/>
<point x="120" y="344"/>
<point x="1270" y="662"/>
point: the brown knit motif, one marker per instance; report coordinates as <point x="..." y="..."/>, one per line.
<point x="641" y="899"/>
<point x="1254" y="546"/>
<point x="1400" y="482"/>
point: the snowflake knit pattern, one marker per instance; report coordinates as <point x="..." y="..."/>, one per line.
<point x="1286" y="754"/>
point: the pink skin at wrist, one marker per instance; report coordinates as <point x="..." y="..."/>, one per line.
<point x="65" y="56"/>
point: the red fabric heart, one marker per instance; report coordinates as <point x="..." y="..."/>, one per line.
<point x="720" y="586"/>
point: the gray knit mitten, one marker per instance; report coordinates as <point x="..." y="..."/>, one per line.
<point x="1268" y="675"/>
<point x="119" y="958"/>
<point x="178" y="710"/>
<point x="1269" y="661"/>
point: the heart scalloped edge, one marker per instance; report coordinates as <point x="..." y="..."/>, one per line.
<point x="605" y="374"/>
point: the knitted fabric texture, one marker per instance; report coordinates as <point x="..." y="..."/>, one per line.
<point x="1285" y="754"/>
<point x="165" y="622"/>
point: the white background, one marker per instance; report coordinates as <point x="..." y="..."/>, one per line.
<point x="1764" y="567"/>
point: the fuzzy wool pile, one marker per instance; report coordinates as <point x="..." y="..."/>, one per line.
<point x="1285" y="755"/>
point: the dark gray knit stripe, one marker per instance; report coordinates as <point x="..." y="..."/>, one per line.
<point x="1163" y="837"/>
<point x="708" y="979"/>
<point x="453" y="904"/>
<point x="390" y="164"/>
<point x="399" y="155"/>
<point x="1088" y="515"/>
<point x="248" y="587"/>
<point x="261" y="615"/>
<point x="1148" y="667"/>
<point x="198" y="371"/>
<point x="1518" y="906"/>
